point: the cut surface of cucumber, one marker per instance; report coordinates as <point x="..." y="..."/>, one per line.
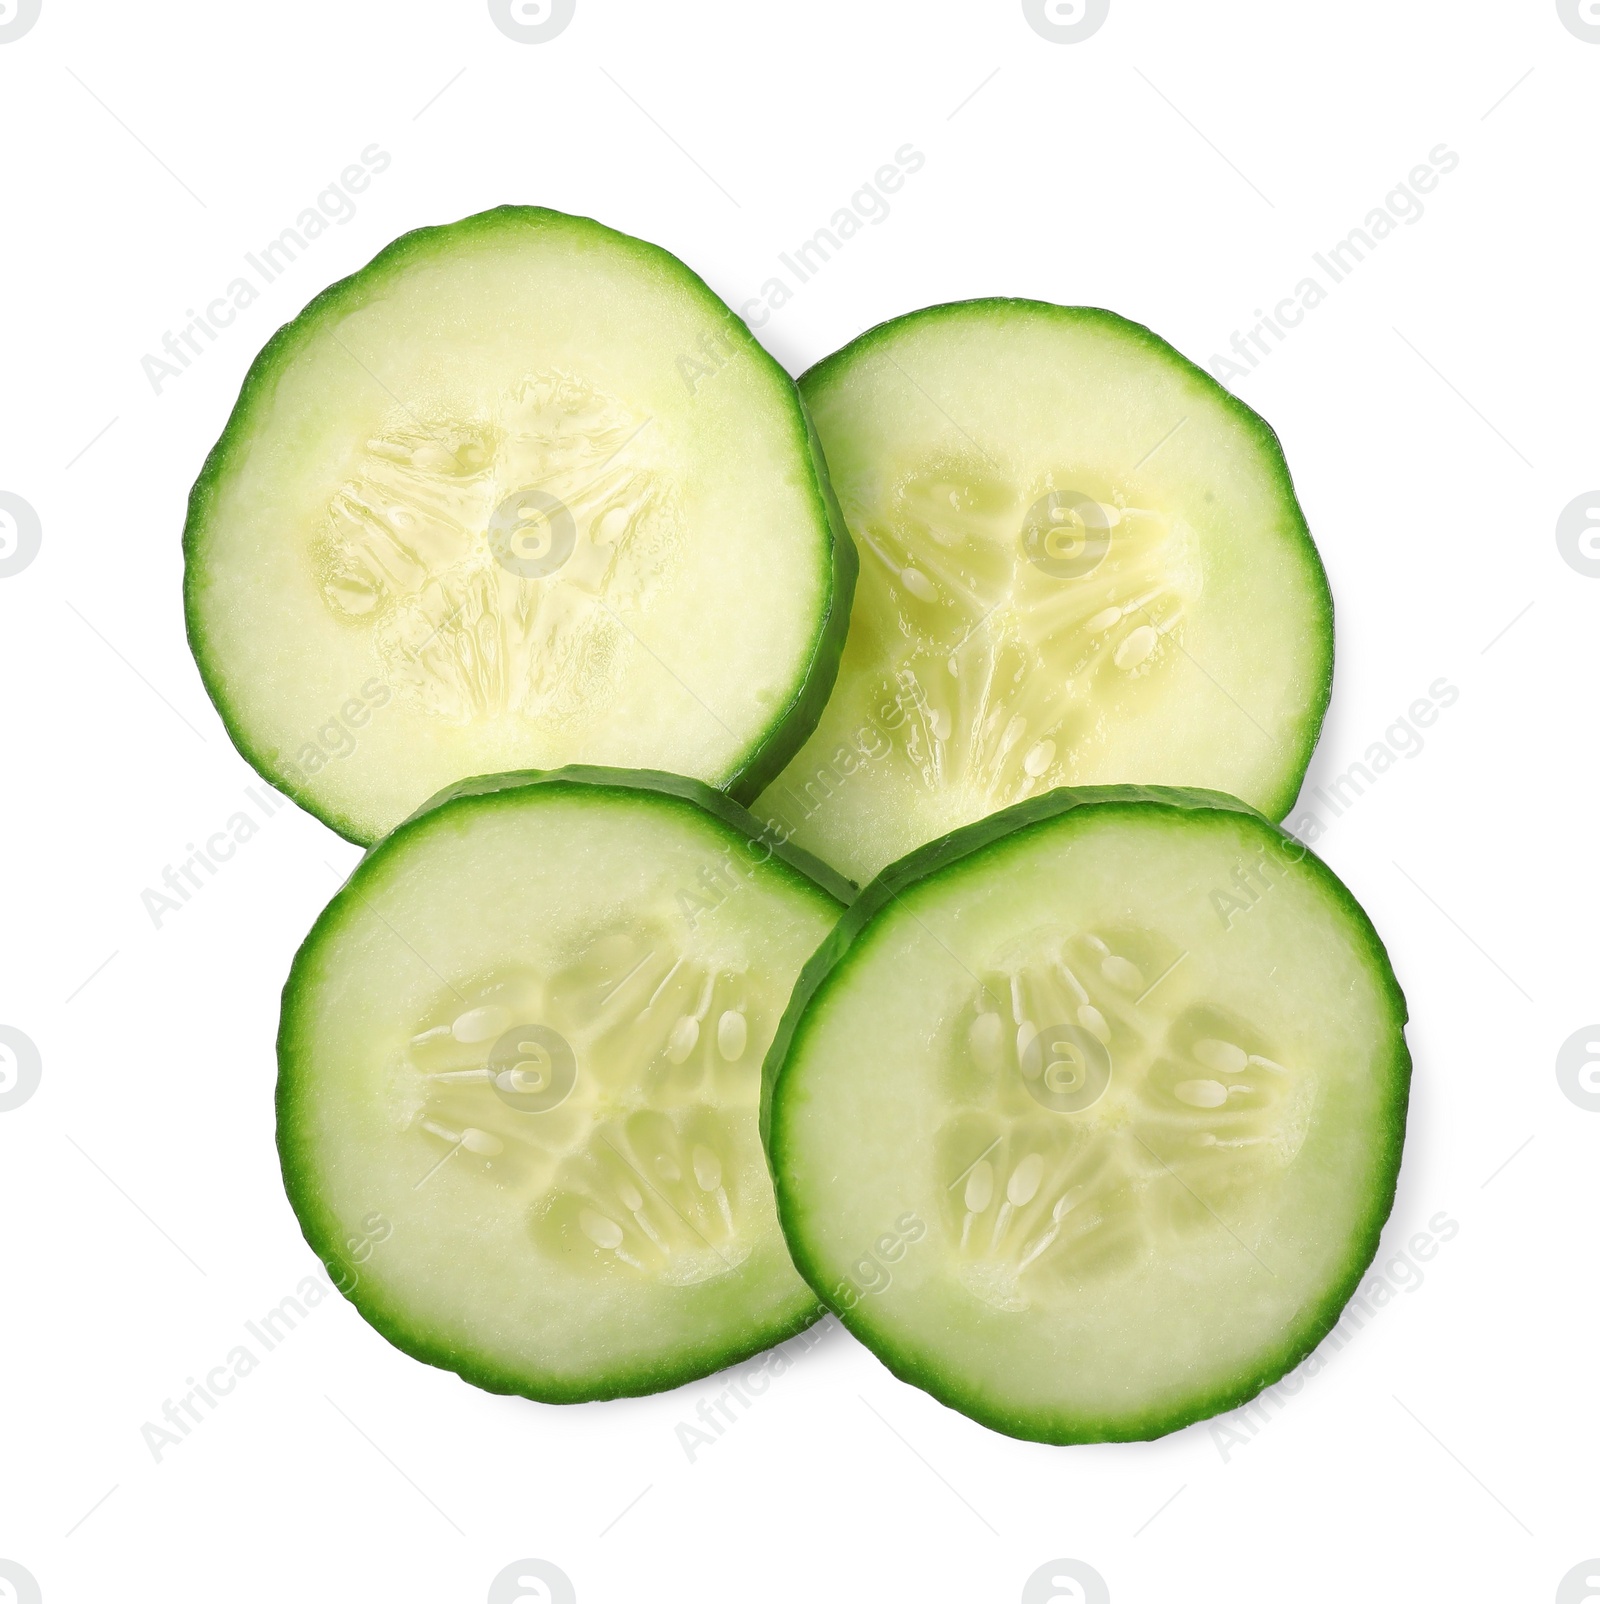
<point x="522" y="492"/>
<point x="1137" y="1093"/>
<point x="519" y="1076"/>
<point x="1082" y="563"/>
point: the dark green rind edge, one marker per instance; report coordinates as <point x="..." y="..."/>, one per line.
<point x="772" y="756"/>
<point x="830" y="367"/>
<point x="323" y="1233"/>
<point x="682" y="787"/>
<point x="791" y="726"/>
<point x="831" y="960"/>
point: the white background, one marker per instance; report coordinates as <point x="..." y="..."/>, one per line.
<point x="1438" y="410"/>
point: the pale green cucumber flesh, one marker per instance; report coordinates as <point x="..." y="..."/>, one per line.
<point x="519" y="1077"/>
<point x="1133" y="1120"/>
<point x="1082" y="562"/>
<point x="522" y="492"/>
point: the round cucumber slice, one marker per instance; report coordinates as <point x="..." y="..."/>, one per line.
<point x="1134" y="1119"/>
<point x="522" y="492"/>
<point x="1082" y="563"/>
<point x="519" y="1073"/>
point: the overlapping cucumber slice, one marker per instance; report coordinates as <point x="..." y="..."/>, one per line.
<point x="1086" y="1118"/>
<point x="1082" y="562"/>
<point x="520" y="1064"/>
<point x="480" y="508"/>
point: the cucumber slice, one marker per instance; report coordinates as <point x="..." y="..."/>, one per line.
<point x="1134" y="1119"/>
<point x="519" y="1070"/>
<point x="507" y="498"/>
<point x="1082" y="563"/>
